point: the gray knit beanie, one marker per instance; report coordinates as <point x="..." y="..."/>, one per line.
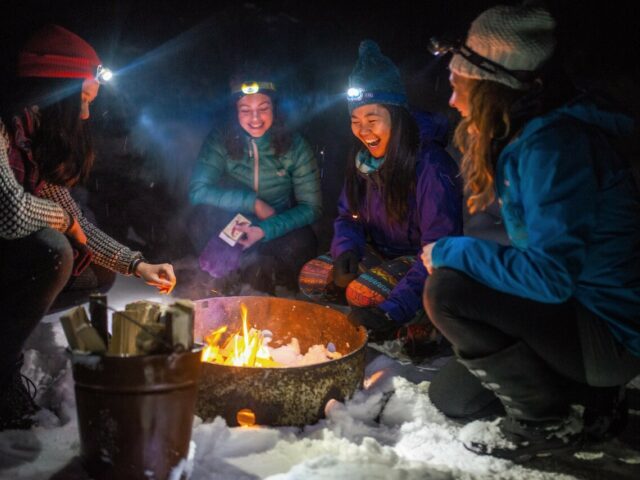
<point x="375" y="79"/>
<point x="518" y="38"/>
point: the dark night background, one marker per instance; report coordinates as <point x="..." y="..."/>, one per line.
<point x="173" y="60"/>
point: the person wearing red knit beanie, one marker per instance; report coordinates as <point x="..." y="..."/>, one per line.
<point x="47" y="245"/>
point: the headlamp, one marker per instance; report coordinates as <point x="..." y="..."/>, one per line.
<point x="251" y="88"/>
<point x="439" y="47"/>
<point x="354" y="94"/>
<point x="103" y="74"/>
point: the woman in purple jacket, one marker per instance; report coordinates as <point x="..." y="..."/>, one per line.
<point x="401" y="192"/>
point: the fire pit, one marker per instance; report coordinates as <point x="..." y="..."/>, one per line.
<point x="291" y="396"/>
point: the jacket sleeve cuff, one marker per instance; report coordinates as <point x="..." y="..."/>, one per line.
<point x="268" y="229"/>
<point x="438" y="253"/>
<point x="249" y="201"/>
<point x="395" y="311"/>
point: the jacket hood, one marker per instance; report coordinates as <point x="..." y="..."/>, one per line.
<point x="585" y="110"/>
<point x="433" y="127"/>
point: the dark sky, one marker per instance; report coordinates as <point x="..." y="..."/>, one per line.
<point x="314" y="42"/>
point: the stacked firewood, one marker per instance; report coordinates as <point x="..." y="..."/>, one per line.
<point x="142" y="328"/>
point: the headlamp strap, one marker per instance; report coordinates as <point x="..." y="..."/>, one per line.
<point x="487" y="65"/>
<point x="250" y="88"/>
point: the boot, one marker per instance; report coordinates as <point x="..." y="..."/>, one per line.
<point x="460" y="395"/>
<point x="17" y="406"/>
<point x="606" y="412"/>
<point x="539" y="417"/>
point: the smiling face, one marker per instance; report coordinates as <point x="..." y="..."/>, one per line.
<point x="460" y="96"/>
<point x="89" y="93"/>
<point x="255" y="114"/>
<point x="371" y="124"/>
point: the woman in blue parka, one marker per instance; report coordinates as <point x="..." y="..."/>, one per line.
<point x="401" y="192"/>
<point x="553" y="319"/>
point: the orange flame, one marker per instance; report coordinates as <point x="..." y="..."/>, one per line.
<point x="240" y="350"/>
<point x="246" y="417"/>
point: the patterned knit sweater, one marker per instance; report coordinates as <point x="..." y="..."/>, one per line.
<point x="22" y="214"/>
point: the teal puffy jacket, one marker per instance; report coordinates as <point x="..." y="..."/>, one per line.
<point x="274" y="179"/>
<point x="572" y="212"/>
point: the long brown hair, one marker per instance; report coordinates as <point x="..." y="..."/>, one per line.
<point x="398" y="173"/>
<point x="61" y="142"/>
<point x="489" y="122"/>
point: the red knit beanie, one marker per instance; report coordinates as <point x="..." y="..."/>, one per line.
<point x="55" y="52"/>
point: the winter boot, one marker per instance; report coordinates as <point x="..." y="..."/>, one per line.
<point x="606" y="412"/>
<point x="17" y="406"/>
<point x="460" y="395"/>
<point x="539" y="418"/>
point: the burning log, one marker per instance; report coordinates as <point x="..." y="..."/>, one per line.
<point x="250" y="348"/>
<point x="277" y="395"/>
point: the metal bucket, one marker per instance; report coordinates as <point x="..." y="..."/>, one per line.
<point x="292" y="396"/>
<point x="135" y="414"/>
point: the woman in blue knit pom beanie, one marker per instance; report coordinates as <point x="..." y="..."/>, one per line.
<point x="400" y="192"/>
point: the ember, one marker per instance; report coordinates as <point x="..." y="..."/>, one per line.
<point x="251" y="349"/>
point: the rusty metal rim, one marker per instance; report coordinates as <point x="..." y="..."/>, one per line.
<point x="155" y="388"/>
<point x="81" y="358"/>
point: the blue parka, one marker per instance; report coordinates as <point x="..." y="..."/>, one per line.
<point x="572" y="212"/>
<point x="435" y="210"/>
<point x="260" y="173"/>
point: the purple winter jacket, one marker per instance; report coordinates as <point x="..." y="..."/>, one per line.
<point x="434" y="211"/>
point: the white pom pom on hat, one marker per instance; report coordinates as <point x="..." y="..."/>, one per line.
<point x="519" y="38"/>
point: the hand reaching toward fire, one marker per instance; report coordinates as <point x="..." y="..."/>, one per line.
<point x="426" y="257"/>
<point x="252" y="234"/>
<point x="159" y="275"/>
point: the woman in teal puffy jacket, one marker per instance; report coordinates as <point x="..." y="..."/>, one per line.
<point x="258" y="168"/>
<point x="552" y="320"/>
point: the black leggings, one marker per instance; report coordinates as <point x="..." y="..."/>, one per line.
<point x="479" y="321"/>
<point x="33" y="271"/>
<point x="94" y="279"/>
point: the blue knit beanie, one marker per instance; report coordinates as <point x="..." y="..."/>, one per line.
<point x="375" y="79"/>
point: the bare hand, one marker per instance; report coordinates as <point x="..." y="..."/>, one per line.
<point x="262" y="209"/>
<point x="75" y="232"/>
<point x="159" y="275"/>
<point x="251" y="235"/>
<point x="426" y="257"/>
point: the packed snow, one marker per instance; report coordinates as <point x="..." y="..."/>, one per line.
<point x="388" y="430"/>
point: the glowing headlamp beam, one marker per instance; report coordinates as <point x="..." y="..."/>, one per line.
<point x="103" y="74"/>
<point x="354" y="93"/>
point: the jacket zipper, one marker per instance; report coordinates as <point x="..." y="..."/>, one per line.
<point x="253" y="153"/>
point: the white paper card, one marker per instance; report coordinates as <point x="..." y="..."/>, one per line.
<point x="229" y="233"/>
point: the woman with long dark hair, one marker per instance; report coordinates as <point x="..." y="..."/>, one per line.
<point x="46" y="242"/>
<point x="551" y="320"/>
<point x="401" y="192"/>
<point x="254" y="166"/>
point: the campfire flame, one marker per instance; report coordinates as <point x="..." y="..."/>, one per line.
<point x="246" y="417"/>
<point x="240" y="350"/>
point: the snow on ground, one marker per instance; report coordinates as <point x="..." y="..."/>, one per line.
<point x="389" y="430"/>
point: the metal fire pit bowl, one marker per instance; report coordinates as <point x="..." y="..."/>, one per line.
<point x="293" y="396"/>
